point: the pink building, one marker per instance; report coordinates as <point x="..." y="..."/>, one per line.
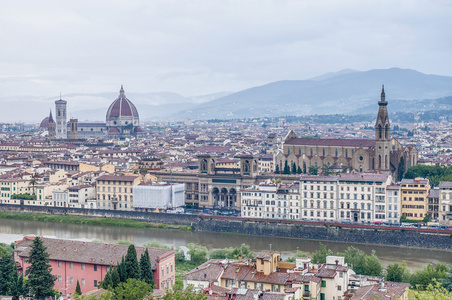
<point x="89" y="262"/>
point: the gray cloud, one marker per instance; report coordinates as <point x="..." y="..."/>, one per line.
<point x="198" y="47"/>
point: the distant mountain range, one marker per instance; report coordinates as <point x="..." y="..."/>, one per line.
<point x="344" y="92"/>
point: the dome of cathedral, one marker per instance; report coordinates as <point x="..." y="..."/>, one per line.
<point x="44" y="123"/>
<point x="122" y="107"/>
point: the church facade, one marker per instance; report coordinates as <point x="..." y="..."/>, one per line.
<point x="122" y="120"/>
<point x="382" y="154"/>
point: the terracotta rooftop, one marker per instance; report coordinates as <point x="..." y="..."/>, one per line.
<point x="87" y="252"/>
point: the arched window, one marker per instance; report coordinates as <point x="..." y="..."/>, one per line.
<point x="379" y="161"/>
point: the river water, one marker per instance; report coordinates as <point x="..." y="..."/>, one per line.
<point x="12" y="230"/>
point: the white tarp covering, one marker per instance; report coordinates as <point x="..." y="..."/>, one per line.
<point x="158" y="196"/>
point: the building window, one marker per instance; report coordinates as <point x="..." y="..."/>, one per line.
<point x="59" y="278"/>
<point x="83" y="266"/>
<point x="339" y="288"/>
<point x="71" y="280"/>
<point x="323" y="283"/>
<point x="95" y="268"/>
<point x="59" y="264"/>
<point x="95" y="283"/>
<point x="71" y="265"/>
<point x="83" y="281"/>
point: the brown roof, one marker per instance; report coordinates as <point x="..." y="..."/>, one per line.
<point x="394" y="290"/>
<point x="365" y="143"/>
<point x="208" y="271"/>
<point x="87" y="252"/>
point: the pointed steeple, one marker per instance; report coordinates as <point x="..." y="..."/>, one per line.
<point x="51" y="118"/>
<point x="383" y="96"/>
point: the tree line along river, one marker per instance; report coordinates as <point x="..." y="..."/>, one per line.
<point x="12" y="230"/>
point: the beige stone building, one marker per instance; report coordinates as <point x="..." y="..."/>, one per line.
<point x="115" y="192"/>
<point x="363" y="155"/>
<point x="414" y="198"/>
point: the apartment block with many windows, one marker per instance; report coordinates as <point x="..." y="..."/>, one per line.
<point x="116" y="192"/>
<point x="414" y="193"/>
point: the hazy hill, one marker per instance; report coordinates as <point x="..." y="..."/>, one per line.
<point x="346" y="92"/>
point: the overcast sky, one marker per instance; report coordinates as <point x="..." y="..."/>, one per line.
<point x="198" y="47"/>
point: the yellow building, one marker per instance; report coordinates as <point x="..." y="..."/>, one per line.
<point x="414" y="198"/>
<point x="116" y="192"/>
<point x="11" y="186"/>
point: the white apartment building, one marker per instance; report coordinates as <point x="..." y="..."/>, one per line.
<point x="272" y="201"/>
<point x="259" y="201"/>
<point x="319" y="197"/>
<point x="445" y="206"/>
<point x="393" y="203"/>
<point x="347" y="197"/>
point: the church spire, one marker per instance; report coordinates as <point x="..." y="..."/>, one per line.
<point x="382" y="93"/>
<point x="50" y="117"/>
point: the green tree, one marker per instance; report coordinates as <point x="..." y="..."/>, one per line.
<point x="298" y="254"/>
<point x="401" y="169"/>
<point x="294" y="168"/>
<point x="373" y="265"/>
<point x="9" y="278"/>
<point x="198" y="253"/>
<point x="40" y="278"/>
<point x="422" y="278"/>
<point x="286" y="168"/>
<point x="432" y="291"/>
<point x="277" y="169"/>
<point x="447" y="280"/>
<point x="78" y="290"/>
<point x="313" y="170"/>
<point x="187" y="294"/>
<point x="397" y="272"/>
<point x="20" y="286"/>
<point x="132" y="267"/>
<point x="179" y="256"/>
<point x="115" y="278"/>
<point x="299" y="170"/>
<point x="33" y="182"/>
<point x="107" y="282"/>
<point x="319" y="256"/>
<point x="355" y="258"/>
<point x="146" y="269"/>
<point x="133" y="289"/>
<point x="325" y="170"/>
<point x="122" y="270"/>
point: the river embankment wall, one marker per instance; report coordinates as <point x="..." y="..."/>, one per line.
<point x="390" y="236"/>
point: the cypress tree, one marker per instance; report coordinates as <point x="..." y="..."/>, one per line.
<point x="294" y="168"/>
<point x="286" y="168"/>
<point x="12" y="283"/>
<point x="40" y="278"/>
<point x="78" y="290"/>
<point x="106" y="283"/>
<point x="277" y="169"/>
<point x="115" y="278"/>
<point x="122" y="271"/>
<point x="5" y="269"/>
<point x="299" y="170"/>
<point x="20" y="286"/>
<point x="146" y="268"/>
<point x="131" y="263"/>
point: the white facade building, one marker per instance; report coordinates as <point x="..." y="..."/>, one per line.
<point x="348" y="197"/>
<point x="445" y="205"/>
<point x="158" y="195"/>
<point x="393" y="204"/>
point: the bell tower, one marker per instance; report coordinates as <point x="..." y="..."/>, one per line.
<point x="382" y="135"/>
